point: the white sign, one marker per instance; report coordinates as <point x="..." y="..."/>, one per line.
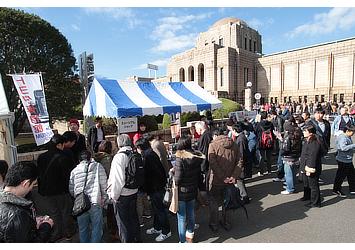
<point x="30" y="91"/>
<point x="257" y="96"/>
<point x="127" y="125"/>
<point x="152" y="66"/>
<point x="241" y="115"/>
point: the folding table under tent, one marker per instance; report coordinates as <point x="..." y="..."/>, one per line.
<point x="113" y="99"/>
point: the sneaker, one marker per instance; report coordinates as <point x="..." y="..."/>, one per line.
<point x="260" y="174"/>
<point x="153" y="231"/>
<point x="286" y="192"/>
<point x="339" y="193"/>
<point x="141" y="225"/>
<point x="353" y="193"/>
<point x="162" y="237"/>
<point x="278" y="179"/>
<point x="146" y="216"/>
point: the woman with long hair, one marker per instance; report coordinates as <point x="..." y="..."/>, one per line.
<point x="311" y="167"/>
<point x="187" y="172"/>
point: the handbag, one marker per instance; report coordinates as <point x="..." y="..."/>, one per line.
<point x="82" y="201"/>
<point x="168" y="191"/>
<point x="174" y="205"/>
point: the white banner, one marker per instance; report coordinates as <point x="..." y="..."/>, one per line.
<point x="29" y="88"/>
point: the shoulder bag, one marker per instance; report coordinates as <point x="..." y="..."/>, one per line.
<point x="82" y="202"/>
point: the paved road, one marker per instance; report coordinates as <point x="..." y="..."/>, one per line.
<point x="280" y="218"/>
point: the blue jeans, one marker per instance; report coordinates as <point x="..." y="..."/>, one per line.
<point x="90" y="225"/>
<point x="186" y="215"/>
<point x="290" y="175"/>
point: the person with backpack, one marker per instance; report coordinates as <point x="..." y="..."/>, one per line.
<point x="154" y="185"/>
<point x="90" y="177"/>
<point x="291" y="146"/>
<point x="345" y="148"/>
<point x="264" y="132"/>
<point x="311" y="167"/>
<point x="225" y="168"/>
<point x="126" y="175"/>
<point x="341" y="121"/>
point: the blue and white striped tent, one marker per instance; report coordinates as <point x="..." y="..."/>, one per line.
<point x="110" y="98"/>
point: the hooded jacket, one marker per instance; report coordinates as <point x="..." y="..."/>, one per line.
<point x="17" y="221"/>
<point x="225" y="160"/>
<point x="187" y="173"/>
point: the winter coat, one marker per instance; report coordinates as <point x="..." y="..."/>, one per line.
<point x="225" y="161"/>
<point x="96" y="181"/>
<point x="159" y="148"/>
<point x="79" y="146"/>
<point x="311" y="157"/>
<point x="345" y="148"/>
<point x="202" y="146"/>
<point x="242" y="145"/>
<point x="187" y="173"/>
<point x="117" y="177"/>
<point x="53" y="179"/>
<point x="18" y="222"/>
<point x="105" y="159"/>
<point x="339" y="122"/>
<point x="92" y="137"/>
<point x="325" y="136"/>
<point x="291" y="146"/>
<point x="154" y="172"/>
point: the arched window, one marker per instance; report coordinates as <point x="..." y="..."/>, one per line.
<point x="191" y="75"/>
<point x="182" y="75"/>
<point x="201" y="74"/>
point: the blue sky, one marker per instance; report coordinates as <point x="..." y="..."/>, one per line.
<point x="124" y="40"/>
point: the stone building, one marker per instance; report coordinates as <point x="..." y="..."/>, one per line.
<point x="229" y="55"/>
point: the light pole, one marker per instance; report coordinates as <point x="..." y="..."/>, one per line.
<point x="248" y="97"/>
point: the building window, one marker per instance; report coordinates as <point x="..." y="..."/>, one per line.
<point x="299" y="99"/>
<point x="271" y="100"/>
<point x="341" y="98"/>
<point x="245" y="43"/>
<point x="305" y="99"/>
<point x="170" y="79"/>
<point x="191" y="74"/>
<point x="290" y="99"/>
<point x="220" y="41"/>
<point x="246" y="76"/>
<point x="322" y="97"/>
<point x="316" y="98"/>
<point x="249" y="44"/>
<point x="285" y="99"/>
<point x="221" y="76"/>
<point x="335" y="98"/>
<point x="254" y="46"/>
<point x="275" y="100"/>
<point x="354" y="98"/>
<point x="182" y="75"/>
<point x="206" y="43"/>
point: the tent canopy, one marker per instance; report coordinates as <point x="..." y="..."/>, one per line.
<point x="111" y="98"/>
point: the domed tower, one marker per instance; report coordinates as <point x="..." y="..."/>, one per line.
<point x="222" y="61"/>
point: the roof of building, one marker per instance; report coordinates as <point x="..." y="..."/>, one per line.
<point x="227" y="20"/>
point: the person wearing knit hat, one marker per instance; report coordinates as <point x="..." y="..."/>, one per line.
<point x="80" y="143"/>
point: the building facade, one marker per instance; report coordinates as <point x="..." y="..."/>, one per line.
<point x="229" y="55"/>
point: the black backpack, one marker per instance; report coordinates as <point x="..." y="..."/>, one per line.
<point x="292" y="143"/>
<point x="233" y="200"/>
<point x="134" y="170"/>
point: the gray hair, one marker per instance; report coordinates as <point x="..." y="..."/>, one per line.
<point x="123" y="140"/>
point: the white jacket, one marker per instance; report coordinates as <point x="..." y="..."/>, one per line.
<point x="116" y="180"/>
<point x="96" y="182"/>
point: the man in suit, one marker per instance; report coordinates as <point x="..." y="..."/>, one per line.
<point x="96" y="135"/>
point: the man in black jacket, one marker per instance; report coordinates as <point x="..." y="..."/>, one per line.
<point x="80" y="143"/>
<point x="154" y="183"/>
<point x="322" y="126"/>
<point x="18" y="222"/>
<point x="96" y="135"/>
<point x="53" y="184"/>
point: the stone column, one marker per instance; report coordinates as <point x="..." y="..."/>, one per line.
<point x="248" y="99"/>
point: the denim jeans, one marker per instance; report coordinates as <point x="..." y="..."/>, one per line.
<point x="186" y="219"/>
<point x="280" y="166"/>
<point x="161" y="221"/>
<point x="90" y="225"/>
<point x="290" y="175"/>
<point x="127" y="218"/>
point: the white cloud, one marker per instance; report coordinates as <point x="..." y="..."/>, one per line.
<point x="118" y="14"/>
<point x="325" y="23"/>
<point x="159" y="62"/>
<point x="257" y="23"/>
<point x="75" y="27"/>
<point x="173" y="32"/>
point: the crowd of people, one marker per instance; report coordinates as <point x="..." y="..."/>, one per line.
<point x="128" y="186"/>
